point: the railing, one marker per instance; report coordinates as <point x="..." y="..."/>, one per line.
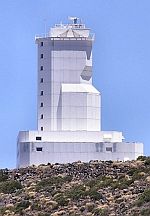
<point x="78" y="25"/>
<point x="47" y="35"/>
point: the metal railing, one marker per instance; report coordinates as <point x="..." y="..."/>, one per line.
<point x="47" y="35"/>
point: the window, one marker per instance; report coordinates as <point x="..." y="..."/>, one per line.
<point x="41" y="80"/>
<point x="41" y="116"/>
<point x="41" y="128"/>
<point x="41" y="55"/>
<point x="114" y="147"/>
<point x="41" y="93"/>
<point x="41" y="43"/>
<point x="109" y="149"/>
<point x="41" y="105"/>
<point x="39" y="149"/>
<point x="41" y="68"/>
<point x="38" y="138"/>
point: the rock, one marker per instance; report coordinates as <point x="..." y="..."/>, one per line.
<point x="89" y="214"/>
<point x="10" y="205"/>
<point x="148" y="179"/>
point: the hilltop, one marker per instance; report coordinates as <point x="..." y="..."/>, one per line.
<point x="76" y="189"/>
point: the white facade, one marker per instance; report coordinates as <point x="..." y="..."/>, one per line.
<point x="69" y="106"/>
<point x="66" y="98"/>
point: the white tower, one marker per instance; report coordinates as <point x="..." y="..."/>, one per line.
<point x="69" y="110"/>
<point x="66" y="98"/>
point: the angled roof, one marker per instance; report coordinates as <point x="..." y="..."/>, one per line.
<point x="88" y="88"/>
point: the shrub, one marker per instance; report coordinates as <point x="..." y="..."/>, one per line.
<point x="132" y="171"/>
<point x="105" y="182"/>
<point x="9" y="186"/>
<point x="142" y="158"/>
<point x="144" y="198"/>
<point x="21" y="206"/>
<point x="145" y="212"/>
<point x="136" y="176"/>
<point x="43" y="214"/>
<point x="47" y="184"/>
<point x="100" y="182"/>
<point x="147" y="161"/>
<point x="76" y="192"/>
<point x="122" y="184"/>
<point x="93" y="194"/>
<point x="36" y="206"/>
<point x="61" y="200"/>
<point x="3" y="175"/>
<point x="100" y="212"/>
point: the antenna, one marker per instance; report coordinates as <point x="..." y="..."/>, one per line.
<point x="73" y="19"/>
<point x="45" y="27"/>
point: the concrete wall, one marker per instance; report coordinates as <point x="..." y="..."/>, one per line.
<point x="70" y="136"/>
<point x="61" y="61"/>
<point x="53" y="152"/>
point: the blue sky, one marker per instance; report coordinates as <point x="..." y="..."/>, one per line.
<point x="121" y="64"/>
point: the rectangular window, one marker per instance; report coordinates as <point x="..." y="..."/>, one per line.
<point x="41" y="128"/>
<point x="114" y="147"/>
<point x="41" y="80"/>
<point x="41" y="116"/>
<point x="41" y="43"/>
<point x="41" y="55"/>
<point x="41" y="93"/>
<point x="39" y="149"/>
<point x="38" y="138"/>
<point x="41" y="105"/>
<point x="41" y="68"/>
<point x="109" y="149"/>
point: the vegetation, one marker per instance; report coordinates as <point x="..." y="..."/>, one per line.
<point x="61" y="200"/>
<point x="96" y="188"/>
<point x="145" y="212"/>
<point x="142" y="158"/>
<point x="3" y="175"/>
<point x="147" y="161"/>
<point x="144" y="198"/>
<point x="100" y="212"/>
<point x="76" y="192"/>
<point x="21" y="206"/>
<point x="9" y="186"/>
<point x="47" y="184"/>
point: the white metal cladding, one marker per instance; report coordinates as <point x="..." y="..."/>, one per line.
<point x="70" y="152"/>
<point x="63" y="62"/>
<point x="69" y="136"/>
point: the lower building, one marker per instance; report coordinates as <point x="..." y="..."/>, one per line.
<point x="36" y="147"/>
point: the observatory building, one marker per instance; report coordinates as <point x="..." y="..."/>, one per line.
<point x="69" y="106"/>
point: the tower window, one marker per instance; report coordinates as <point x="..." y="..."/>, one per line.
<point x="41" y="43"/>
<point x="41" y="55"/>
<point x="42" y="116"/>
<point x="41" y="105"/>
<point x="41" y="80"/>
<point x="41" y="128"/>
<point x="42" y="93"/>
<point x="39" y="149"/>
<point x="41" y="68"/>
<point x="38" y="138"/>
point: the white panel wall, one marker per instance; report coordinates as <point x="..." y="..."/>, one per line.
<point x="62" y="62"/>
<point x="54" y="152"/>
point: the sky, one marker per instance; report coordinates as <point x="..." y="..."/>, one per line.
<point x="121" y="64"/>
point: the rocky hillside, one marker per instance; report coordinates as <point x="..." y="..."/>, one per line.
<point x="91" y="189"/>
